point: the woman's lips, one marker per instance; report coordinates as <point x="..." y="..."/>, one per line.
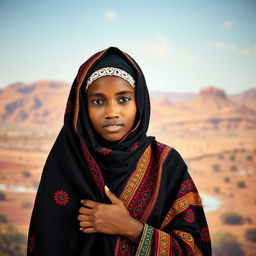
<point x="112" y="128"/>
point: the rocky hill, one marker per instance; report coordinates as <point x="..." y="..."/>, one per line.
<point x="43" y="103"/>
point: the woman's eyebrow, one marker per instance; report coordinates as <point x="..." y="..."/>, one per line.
<point x="124" y="92"/>
<point x="98" y="94"/>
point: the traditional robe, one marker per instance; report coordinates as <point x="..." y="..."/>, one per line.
<point x="150" y="178"/>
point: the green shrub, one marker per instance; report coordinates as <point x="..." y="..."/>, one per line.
<point x="3" y="219"/>
<point x="226" y="244"/>
<point x="250" y="234"/>
<point x="216" y="189"/>
<point x="26" y="173"/>
<point x="249" y="157"/>
<point x="232" y="218"/>
<point x="2" y="195"/>
<point x="241" y="184"/>
<point x="233" y="157"/>
<point x="247" y="220"/>
<point x="12" y="243"/>
<point x="216" y="167"/>
<point x="227" y="179"/>
<point x="233" y="168"/>
<point x="35" y="183"/>
<point x="26" y="204"/>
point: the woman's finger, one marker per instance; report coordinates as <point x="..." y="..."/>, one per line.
<point x="89" y="203"/>
<point x="88" y="230"/>
<point x="82" y="217"/>
<point x="113" y="198"/>
<point x="86" y="224"/>
<point x="84" y="210"/>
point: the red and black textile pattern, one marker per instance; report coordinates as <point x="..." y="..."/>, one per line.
<point x="79" y="165"/>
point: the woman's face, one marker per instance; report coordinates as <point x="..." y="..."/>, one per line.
<point x="111" y="107"/>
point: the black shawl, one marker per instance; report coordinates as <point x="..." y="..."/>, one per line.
<point x="149" y="177"/>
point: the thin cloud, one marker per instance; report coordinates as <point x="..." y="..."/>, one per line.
<point x="249" y="51"/>
<point x="161" y="47"/>
<point x="110" y="15"/>
<point x="227" y="25"/>
<point x="219" y="45"/>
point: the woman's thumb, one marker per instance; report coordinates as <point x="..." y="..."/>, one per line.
<point x="111" y="196"/>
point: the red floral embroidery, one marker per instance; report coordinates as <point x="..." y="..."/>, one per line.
<point x="61" y="197"/>
<point x="134" y="146"/>
<point x="68" y="107"/>
<point x="104" y="151"/>
<point x="31" y="244"/>
<point x="205" y="236"/>
<point x="189" y="216"/>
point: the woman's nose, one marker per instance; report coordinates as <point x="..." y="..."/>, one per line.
<point x="111" y="111"/>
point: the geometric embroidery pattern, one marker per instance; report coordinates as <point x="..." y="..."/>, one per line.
<point x="189" y="240"/>
<point x="162" y="243"/>
<point x="145" y="242"/>
<point x="181" y="205"/>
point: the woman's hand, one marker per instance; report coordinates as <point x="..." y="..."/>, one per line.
<point x="111" y="219"/>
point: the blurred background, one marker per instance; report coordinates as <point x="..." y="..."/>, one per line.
<point x="199" y="60"/>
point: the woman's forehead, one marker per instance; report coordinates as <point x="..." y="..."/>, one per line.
<point x="109" y="84"/>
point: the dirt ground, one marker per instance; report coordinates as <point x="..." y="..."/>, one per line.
<point x="222" y="164"/>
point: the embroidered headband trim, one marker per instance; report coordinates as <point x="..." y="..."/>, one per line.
<point x="110" y="71"/>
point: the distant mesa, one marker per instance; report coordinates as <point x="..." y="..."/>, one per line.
<point x="44" y="102"/>
<point x="41" y="102"/>
<point x="211" y="99"/>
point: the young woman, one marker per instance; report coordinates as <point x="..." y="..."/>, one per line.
<point x="107" y="188"/>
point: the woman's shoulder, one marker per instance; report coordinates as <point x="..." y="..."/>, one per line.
<point x="170" y="151"/>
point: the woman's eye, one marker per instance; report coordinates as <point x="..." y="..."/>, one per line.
<point x="97" y="101"/>
<point x="124" y="99"/>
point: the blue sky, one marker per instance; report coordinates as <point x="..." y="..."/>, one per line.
<point x="181" y="46"/>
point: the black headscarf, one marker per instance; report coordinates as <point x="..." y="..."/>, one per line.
<point x="116" y="165"/>
<point x="80" y="162"/>
<point x="149" y="177"/>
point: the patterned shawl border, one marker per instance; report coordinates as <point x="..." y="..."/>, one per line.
<point x="134" y="181"/>
<point x="94" y="169"/>
<point x="162" y="243"/>
<point x="189" y="240"/>
<point x="163" y="155"/>
<point x="181" y="205"/>
<point x="80" y="77"/>
<point x="144" y="246"/>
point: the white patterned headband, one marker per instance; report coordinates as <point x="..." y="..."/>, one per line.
<point x="110" y="71"/>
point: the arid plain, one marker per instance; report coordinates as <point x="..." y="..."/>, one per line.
<point x="214" y="132"/>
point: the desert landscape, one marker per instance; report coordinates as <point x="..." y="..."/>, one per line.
<point x="213" y="131"/>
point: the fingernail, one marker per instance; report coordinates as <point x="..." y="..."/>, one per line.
<point x="106" y="187"/>
<point x="82" y="201"/>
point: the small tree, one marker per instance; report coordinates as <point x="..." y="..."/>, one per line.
<point x="250" y="234"/>
<point x="226" y="244"/>
<point x="227" y="179"/>
<point x="216" y="167"/>
<point x="233" y="168"/>
<point x="241" y="184"/>
<point x="12" y="243"/>
<point x="26" y="173"/>
<point x="3" y="219"/>
<point x="249" y="157"/>
<point x="232" y="218"/>
<point x="233" y="157"/>
<point x="35" y="183"/>
<point x="2" y="195"/>
<point x="26" y="204"/>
